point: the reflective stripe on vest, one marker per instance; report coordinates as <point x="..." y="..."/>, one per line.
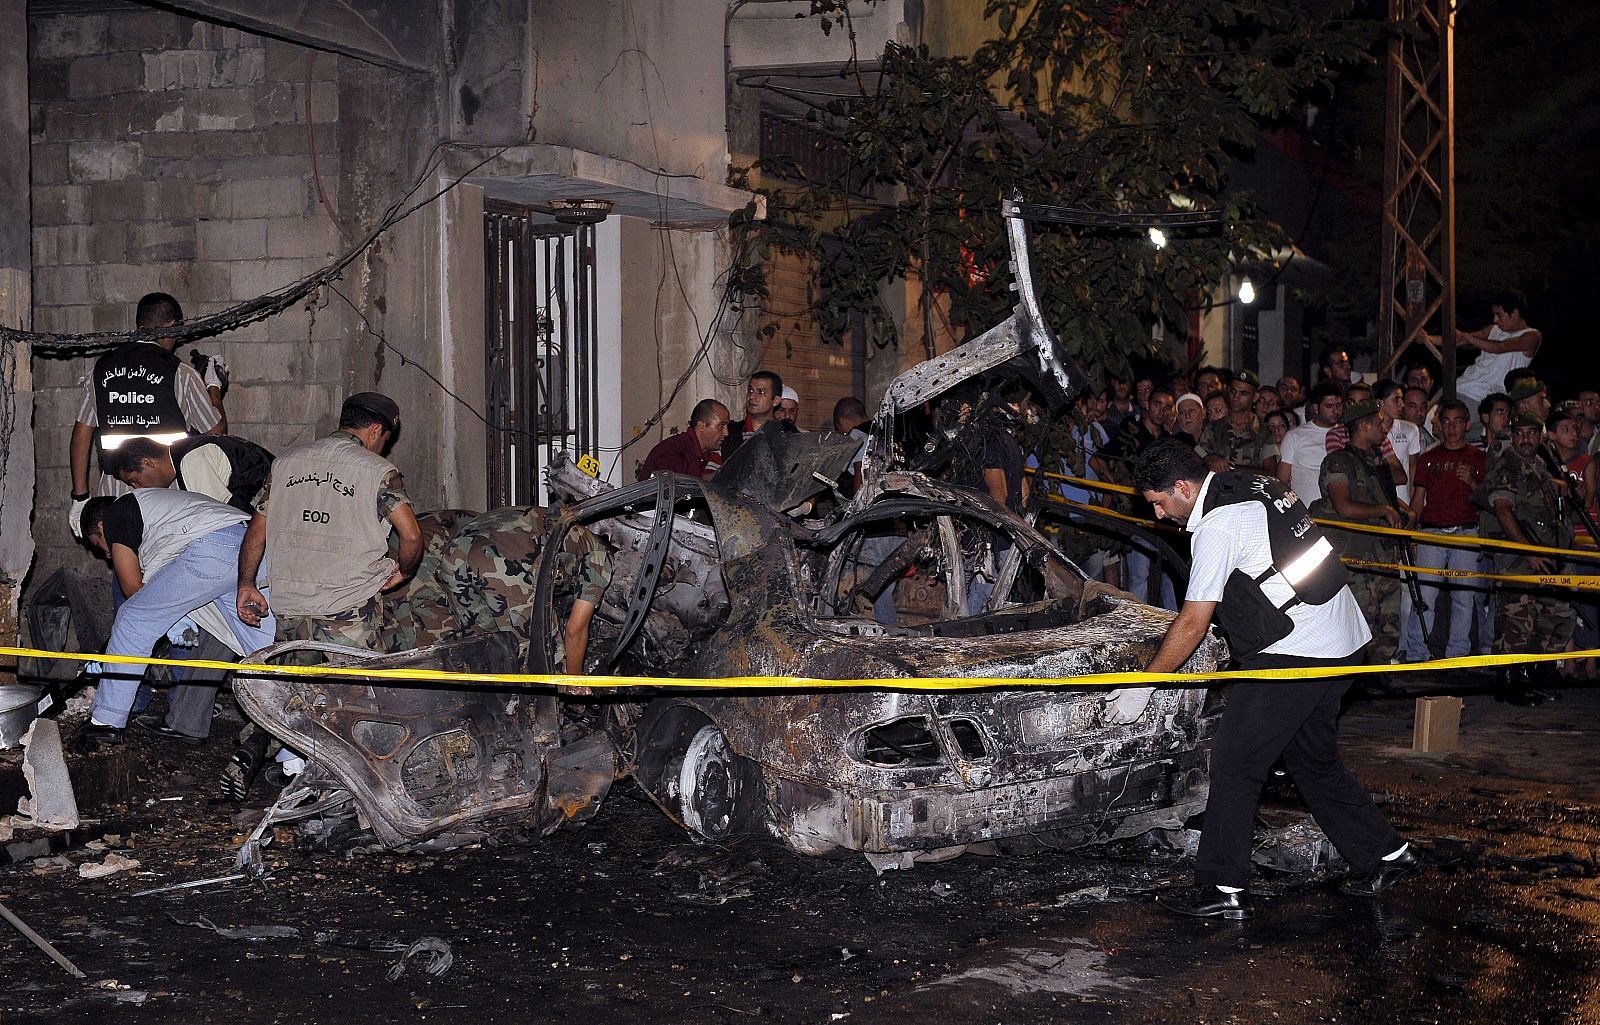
<point x="136" y="395"/>
<point x="1301" y="553"/>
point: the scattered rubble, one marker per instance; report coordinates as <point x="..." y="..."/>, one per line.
<point x="112" y="864"/>
<point x="44" y="768"/>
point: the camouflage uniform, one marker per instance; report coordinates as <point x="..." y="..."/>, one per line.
<point x="408" y="618"/>
<point x="485" y="576"/>
<point x="1252" y="446"/>
<point x="1377" y="593"/>
<point x="1529" y="621"/>
<point x="366" y="626"/>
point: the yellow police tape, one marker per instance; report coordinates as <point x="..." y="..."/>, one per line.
<point x="1447" y="540"/>
<point x="927" y="683"/>
<point x="1584" y="583"/>
<point x="1587" y="583"/>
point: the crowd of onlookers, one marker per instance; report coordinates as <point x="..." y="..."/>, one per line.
<point x="1498" y="460"/>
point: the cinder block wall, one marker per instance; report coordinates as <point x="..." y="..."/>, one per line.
<point x="174" y="155"/>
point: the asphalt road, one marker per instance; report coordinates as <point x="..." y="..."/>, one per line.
<point x="625" y="921"/>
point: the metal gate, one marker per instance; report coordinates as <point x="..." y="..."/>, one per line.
<point x="540" y="316"/>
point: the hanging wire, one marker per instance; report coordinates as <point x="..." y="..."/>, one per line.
<point x="261" y="307"/>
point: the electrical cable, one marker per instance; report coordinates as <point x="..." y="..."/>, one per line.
<point x="260" y="308"/>
<point x="311" y="146"/>
<point x="407" y="359"/>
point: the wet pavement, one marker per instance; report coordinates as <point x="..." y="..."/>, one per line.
<point x="627" y="921"/>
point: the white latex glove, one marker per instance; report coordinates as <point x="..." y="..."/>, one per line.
<point x="93" y="668"/>
<point x="75" y="516"/>
<point x="216" y="372"/>
<point x="184" y="633"/>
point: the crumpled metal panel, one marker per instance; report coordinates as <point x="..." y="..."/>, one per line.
<point x="1094" y="806"/>
<point x="421" y="762"/>
<point x="779" y="469"/>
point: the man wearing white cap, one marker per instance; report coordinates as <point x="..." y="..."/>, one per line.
<point x="788" y="407"/>
<point x="1191" y="418"/>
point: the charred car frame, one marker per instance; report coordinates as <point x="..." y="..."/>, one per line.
<point x="713" y="580"/>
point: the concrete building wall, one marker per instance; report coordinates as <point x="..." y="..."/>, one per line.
<point x="171" y="153"/>
<point x="16" y="300"/>
<point x="670" y="286"/>
<point x="643" y="82"/>
<point x="174" y="155"/>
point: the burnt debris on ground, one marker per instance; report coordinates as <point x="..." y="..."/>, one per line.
<point x="631" y="919"/>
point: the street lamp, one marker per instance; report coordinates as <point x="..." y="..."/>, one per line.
<point x="1247" y="292"/>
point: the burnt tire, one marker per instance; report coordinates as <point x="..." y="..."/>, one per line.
<point x="715" y="792"/>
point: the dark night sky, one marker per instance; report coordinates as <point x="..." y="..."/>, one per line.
<point x="1527" y="150"/>
<point x="1527" y="145"/>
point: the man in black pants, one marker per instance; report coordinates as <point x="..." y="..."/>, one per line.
<point x="1279" y="591"/>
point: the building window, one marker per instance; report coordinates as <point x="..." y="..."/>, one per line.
<point x="539" y="318"/>
<point x="813" y="154"/>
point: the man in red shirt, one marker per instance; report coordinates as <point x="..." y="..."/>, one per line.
<point x="690" y="451"/>
<point x="1446" y="476"/>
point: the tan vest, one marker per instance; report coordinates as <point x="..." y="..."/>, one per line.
<point x="327" y="549"/>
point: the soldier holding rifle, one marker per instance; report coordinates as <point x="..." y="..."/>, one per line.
<point x="1357" y="486"/>
<point x="1527" y="509"/>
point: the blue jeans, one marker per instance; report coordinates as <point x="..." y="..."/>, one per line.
<point x="980" y="587"/>
<point x="206" y="573"/>
<point x="1139" y="565"/>
<point x="1463" y="597"/>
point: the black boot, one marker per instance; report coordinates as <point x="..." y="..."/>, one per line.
<point x="241" y="771"/>
<point x="1513" y="686"/>
<point x="93" y="738"/>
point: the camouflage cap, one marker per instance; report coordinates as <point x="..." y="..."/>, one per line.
<point x="1527" y="389"/>
<point x="1526" y="419"/>
<point x="1358" y="411"/>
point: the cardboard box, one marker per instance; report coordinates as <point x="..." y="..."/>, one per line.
<point x="1438" y="726"/>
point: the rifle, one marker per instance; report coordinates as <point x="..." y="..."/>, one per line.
<point x="1408" y="550"/>
<point x="1574" y="486"/>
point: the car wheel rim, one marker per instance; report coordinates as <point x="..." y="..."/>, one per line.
<point x="708" y="784"/>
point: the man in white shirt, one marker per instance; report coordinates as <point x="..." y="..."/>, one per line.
<point x="1506" y="343"/>
<point x="1305" y="447"/>
<point x="1405" y="438"/>
<point x="1264" y="569"/>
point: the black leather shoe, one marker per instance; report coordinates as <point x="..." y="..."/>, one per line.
<point x="1207" y="902"/>
<point x="1388" y="873"/>
<point x="153" y="724"/>
<point x="92" y="738"/>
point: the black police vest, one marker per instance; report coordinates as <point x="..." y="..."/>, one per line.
<point x="1301" y="556"/>
<point x="136" y="392"/>
<point x="249" y="465"/>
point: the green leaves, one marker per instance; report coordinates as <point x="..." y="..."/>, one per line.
<point x="1103" y="104"/>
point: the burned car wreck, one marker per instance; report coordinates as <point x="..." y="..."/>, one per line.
<point x="718" y="579"/>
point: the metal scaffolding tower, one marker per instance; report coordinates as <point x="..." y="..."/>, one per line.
<point x="1419" y="212"/>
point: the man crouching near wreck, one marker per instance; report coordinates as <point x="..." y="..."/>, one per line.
<point x="1282" y="596"/>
